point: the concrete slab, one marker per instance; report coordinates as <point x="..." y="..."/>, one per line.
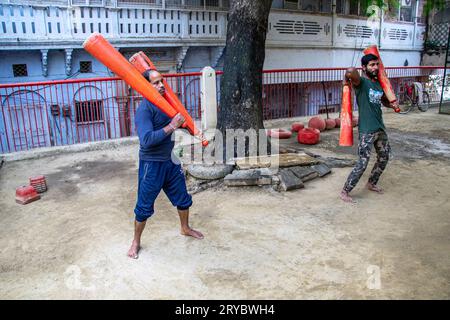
<point x="289" y="181"/>
<point x="242" y="178"/>
<point x="279" y="160"/>
<point x="322" y="169"/>
<point x="333" y="162"/>
<point x="251" y="177"/>
<point x="209" y="172"/>
<point x="304" y="173"/>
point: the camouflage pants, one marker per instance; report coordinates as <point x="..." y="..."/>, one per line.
<point x="380" y="141"/>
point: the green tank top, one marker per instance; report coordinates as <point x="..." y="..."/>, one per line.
<point x="368" y="97"/>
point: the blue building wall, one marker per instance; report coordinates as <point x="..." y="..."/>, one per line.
<point x="38" y="116"/>
<point x="196" y="59"/>
<point x="31" y="58"/>
<point x="27" y="120"/>
<point x="56" y="66"/>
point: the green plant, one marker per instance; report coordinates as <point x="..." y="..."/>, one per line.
<point x="431" y="45"/>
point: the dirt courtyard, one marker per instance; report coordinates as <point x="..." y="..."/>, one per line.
<point x="259" y="244"/>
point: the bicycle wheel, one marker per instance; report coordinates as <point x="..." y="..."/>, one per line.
<point x="425" y="103"/>
<point x="406" y="105"/>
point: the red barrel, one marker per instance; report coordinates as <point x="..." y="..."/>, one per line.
<point x="308" y="136"/>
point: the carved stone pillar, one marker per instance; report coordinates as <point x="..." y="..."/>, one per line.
<point x="44" y="53"/>
<point x="180" y="57"/>
<point x="68" y="61"/>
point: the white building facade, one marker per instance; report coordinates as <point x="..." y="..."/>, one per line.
<point x="42" y="40"/>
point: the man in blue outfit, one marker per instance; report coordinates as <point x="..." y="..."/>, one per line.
<point x="156" y="169"/>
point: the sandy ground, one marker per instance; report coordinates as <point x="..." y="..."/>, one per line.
<point x="259" y="244"/>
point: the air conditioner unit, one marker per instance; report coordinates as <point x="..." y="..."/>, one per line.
<point x="406" y="3"/>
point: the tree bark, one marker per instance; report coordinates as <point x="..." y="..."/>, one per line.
<point x="241" y="83"/>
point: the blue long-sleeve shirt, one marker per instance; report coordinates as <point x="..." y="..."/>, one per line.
<point x="155" y="144"/>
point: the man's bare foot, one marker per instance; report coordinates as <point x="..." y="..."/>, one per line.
<point x="345" y="197"/>
<point x="134" y="250"/>
<point x="373" y="187"/>
<point x="192" y="233"/>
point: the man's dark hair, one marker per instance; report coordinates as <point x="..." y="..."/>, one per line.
<point x="146" y="74"/>
<point x="367" y="58"/>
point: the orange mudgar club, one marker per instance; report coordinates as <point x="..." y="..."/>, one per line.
<point x="346" y="131"/>
<point x="103" y="51"/>
<point x="143" y="63"/>
<point x="382" y="76"/>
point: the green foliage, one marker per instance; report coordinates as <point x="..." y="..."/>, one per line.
<point x="433" y="4"/>
<point x="432" y="45"/>
<point x="393" y="5"/>
<point x="384" y="5"/>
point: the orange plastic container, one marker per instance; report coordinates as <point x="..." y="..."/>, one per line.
<point x="39" y="183"/>
<point x="26" y="194"/>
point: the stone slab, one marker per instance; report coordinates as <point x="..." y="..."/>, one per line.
<point x="251" y="177"/>
<point x="242" y="178"/>
<point x="289" y="181"/>
<point x="209" y="172"/>
<point x="268" y="171"/>
<point x="304" y="173"/>
<point x="263" y="181"/>
<point x="338" y="163"/>
<point x="281" y="160"/>
<point x="322" y="169"/>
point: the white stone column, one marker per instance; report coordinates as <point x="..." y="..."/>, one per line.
<point x="41" y="22"/>
<point x="67" y="25"/>
<point x="44" y="55"/>
<point x="222" y="26"/>
<point x="416" y="11"/>
<point x="208" y="98"/>
<point x="184" y="24"/>
<point x="68" y="61"/>
<point x="333" y="23"/>
<point x="114" y="22"/>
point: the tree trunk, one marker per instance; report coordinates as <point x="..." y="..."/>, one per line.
<point x="241" y="83"/>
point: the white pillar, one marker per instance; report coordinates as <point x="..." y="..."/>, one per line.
<point x="44" y="56"/>
<point x="415" y="18"/>
<point x="208" y="98"/>
<point x="68" y="61"/>
<point x="222" y="26"/>
<point x="184" y="24"/>
<point x="333" y="23"/>
<point x="114" y="22"/>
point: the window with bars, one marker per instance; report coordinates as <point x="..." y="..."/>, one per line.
<point x="291" y="4"/>
<point x="351" y="7"/>
<point x="89" y="111"/>
<point x="20" y="70"/>
<point x="85" y="66"/>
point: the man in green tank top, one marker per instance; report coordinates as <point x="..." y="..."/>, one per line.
<point x="372" y="132"/>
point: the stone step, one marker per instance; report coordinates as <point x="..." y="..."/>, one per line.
<point x="304" y="173"/>
<point x="251" y="177"/>
<point x="289" y="181"/>
<point x="322" y="169"/>
<point x="209" y="172"/>
<point x="278" y="160"/>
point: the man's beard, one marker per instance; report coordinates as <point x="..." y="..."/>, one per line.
<point x="372" y="75"/>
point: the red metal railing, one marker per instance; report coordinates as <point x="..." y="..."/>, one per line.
<point x="55" y="113"/>
<point x="66" y="112"/>
<point x="304" y="92"/>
